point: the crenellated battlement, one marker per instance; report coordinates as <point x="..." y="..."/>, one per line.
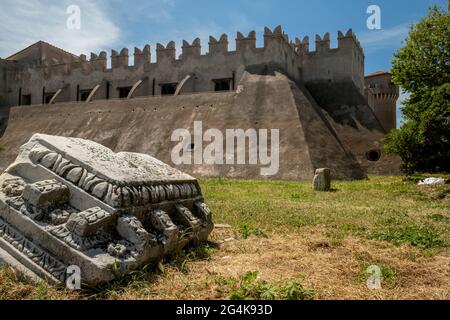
<point x="272" y="39"/>
<point x="121" y="59"/>
<point x="323" y="43"/>
<point x="348" y="40"/>
<point x="244" y="43"/>
<point x="279" y="81"/>
<point x="276" y="35"/>
<point x="218" y="46"/>
<point x="98" y="62"/>
<point x="191" y="50"/>
<point x="293" y="57"/>
<point x="143" y="56"/>
<point x="302" y="46"/>
<point x="165" y="52"/>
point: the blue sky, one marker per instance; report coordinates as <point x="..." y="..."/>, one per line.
<point x="114" y="24"/>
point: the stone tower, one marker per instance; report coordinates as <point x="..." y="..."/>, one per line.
<point x="382" y="96"/>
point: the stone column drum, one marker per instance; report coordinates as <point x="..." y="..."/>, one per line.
<point x="322" y="180"/>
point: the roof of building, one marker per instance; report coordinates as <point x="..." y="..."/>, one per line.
<point x="377" y="74"/>
<point x="11" y="57"/>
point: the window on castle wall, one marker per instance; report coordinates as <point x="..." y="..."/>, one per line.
<point x="168" y="88"/>
<point x="48" y="97"/>
<point x="123" y="92"/>
<point x="84" y="94"/>
<point x="222" y="84"/>
<point x="26" y="99"/>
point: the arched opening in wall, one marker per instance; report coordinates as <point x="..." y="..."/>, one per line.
<point x="373" y="155"/>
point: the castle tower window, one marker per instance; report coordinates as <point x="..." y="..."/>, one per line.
<point x="222" y="84"/>
<point x="26" y="99"/>
<point x="123" y="92"/>
<point x="84" y="94"/>
<point x="168" y="88"/>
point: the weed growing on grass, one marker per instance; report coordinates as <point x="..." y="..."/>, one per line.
<point x="43" y="292"/>
<point x="181" y="257"/>
<point x="440" y="218"/>
<point x="414" y="178"/>
<point x="416" y="236"/>
<point x="246" y="231"/>
<point x="250" y="288"/>
<point x="295" y="196"/>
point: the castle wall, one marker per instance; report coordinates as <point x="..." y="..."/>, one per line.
<point x="293" y="58"/>
<point x="145" y="125"/>
<point x="323" y="107"/>
<point x="356" y="124"/>
<point x="333" y="65"/>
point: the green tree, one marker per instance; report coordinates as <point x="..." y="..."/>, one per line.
<point x="422" y="68"/>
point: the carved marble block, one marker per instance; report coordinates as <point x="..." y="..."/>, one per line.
<point x="67" y="201"/>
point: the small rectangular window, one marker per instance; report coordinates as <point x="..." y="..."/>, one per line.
<point x="222" y="84"/>
<point x="168" y="88"/>
<point x="48" y="96"/>
<point x="26" y="99"/>
<point x="123" y="92"/>
<point x="84" y="94"/>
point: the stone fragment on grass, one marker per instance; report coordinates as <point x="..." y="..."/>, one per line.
<point x="322" y="180"/>
<point x="72" y="202"/>
<point x="432" y="182"/>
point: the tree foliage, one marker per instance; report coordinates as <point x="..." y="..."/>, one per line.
<point x="422" y="68"/>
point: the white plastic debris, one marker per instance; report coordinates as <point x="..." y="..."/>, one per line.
<point x="432" y="182"/>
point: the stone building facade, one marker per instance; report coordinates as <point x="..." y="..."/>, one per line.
<point x="330" y="80"/>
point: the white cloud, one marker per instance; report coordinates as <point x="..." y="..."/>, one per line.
<point x="24" y="22"/>
<point x="384" y="38"/>
<point x="153" y="11"/>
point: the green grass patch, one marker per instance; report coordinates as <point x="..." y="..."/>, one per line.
<point x="249" y="287"/>
<point x="416" y="236"/>
<point x="246" y="231"/>
<point x="370" y="209"/>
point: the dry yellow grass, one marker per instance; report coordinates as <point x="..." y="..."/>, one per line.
<point x="324" y="242"/>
